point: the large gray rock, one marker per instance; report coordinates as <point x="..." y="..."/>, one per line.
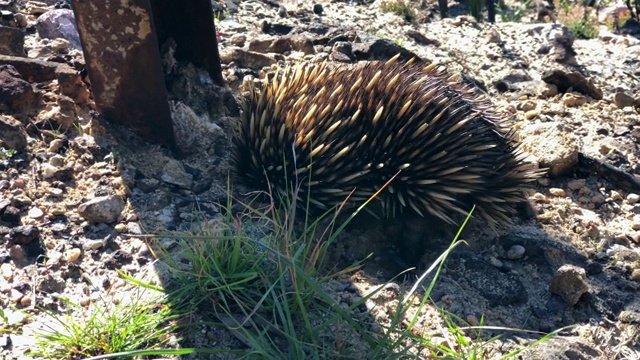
<point x="102" y="209"/>
<point x="59" y="23"/>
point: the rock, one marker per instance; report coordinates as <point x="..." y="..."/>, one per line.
<point x="317" y="9"/>
<point x="71" y="84"/>
<point x="174" y="173"/>
<point x="566" y="80"/>
<point x="561" y="39"/>
<point x="102" y="209"/>
<point x="23" y="234"/>
<point x="516" y="252"/>
<point x="60" y="45"/>
<point x="16" y="94"/>
<point x="56" y="144"/>
<point x="35" y="213"/>
<point x="557" y="192"/>
<point x="12" y="41"/>
<point x="563" y="348"/>
<point x="87" y="143"/>
<point x="238" y="40"/>
<point x="375" y="48"/>
<point x="261" y="43"/>
<point x="573" y="100"/>
<point x="12" y="133"/>
<point x="633" y="198"/>
<point x="555" y="146"/>
<point x="31" y="70"/>
<point x="72" y="255"/>
<point x="11" y="215"/>
<point x="7" y="271"/>
<point x="421" y="39"/>
<point x="134" y="228"/>
<point x="18" y="254"/>
<point x="342" y="51"/>
<point x="576" y="184"/>
<point x="621" y="99"/>
<point x="50" y="283"/>
<point x="59" y="23"/>
<point x="247" y="59"/>
<point x="193" y="134"/>
<point x="292" y="43"/>
<point x="570" y="282"/>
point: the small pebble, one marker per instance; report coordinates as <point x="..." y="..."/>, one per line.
<point x="35" y="213"/>
<point x="55" y="145"/>
<point x="317" y="9"/>
<point x="557" y="192"/>
<point x="544" y="181"/>
<point x="597" y="199"/>
<point x="472" y="320"/>
<point x="17" y="253"/>
<point x="531" y="114"/>
<point x="633" y="198"/>
<point x="92" y="244"/>
<point x="540" y="197"/>
<point x="18" y="184"/>
<point x="72" y="255"/>
<point x="134" y="228"/>
<point x="495" y="262"/>
<point x="25" y="301"/>
<point x="615" y="196"/>
<point x="55" y="192"/>
<point x="635" y="237"/>
<point x="576" y="184"/>
<point x="7" y="271"/>
<point x="120" y="228"/>
<point x="48" y="170"/>
<point x="516" y="252"/>
<point x="635" y="275"/>
<point x="15" y="296"/>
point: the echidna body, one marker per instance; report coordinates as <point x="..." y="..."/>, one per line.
<point x="426" y="139"/>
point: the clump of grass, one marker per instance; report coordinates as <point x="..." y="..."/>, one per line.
<point x="262" y="274"/>
<point x="579" y="19"/>
<point x="513" y="13"/>
<point x="399" y="7"/>
<point x="583" y="28"/>
<point x="134" y="326"/>
<point x="6" y="154"/>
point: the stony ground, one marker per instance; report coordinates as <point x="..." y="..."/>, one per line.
<point x="77" y="188"/>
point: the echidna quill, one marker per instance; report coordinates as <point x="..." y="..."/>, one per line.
<point x="432" y="143"/>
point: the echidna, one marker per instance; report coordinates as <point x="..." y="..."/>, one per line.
<point x="433" y="144"/>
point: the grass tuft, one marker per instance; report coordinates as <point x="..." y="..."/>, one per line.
<point x="138" y="324"/>
<point x="401" y="8"/>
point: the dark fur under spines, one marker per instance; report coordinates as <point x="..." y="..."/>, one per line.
<point x="334" y="132"/>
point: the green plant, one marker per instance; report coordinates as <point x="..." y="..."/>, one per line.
<point x="129" y="327"/>
<point x="579" y="19"/>
<point x="583" y="28"/>
<point x="400" y="8"/>
<point x="513" y="14"/>
<point x="263" y="278"/>
<point x="6" y="154"/>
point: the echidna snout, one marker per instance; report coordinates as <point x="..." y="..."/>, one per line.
<point x="434" y="145"/>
